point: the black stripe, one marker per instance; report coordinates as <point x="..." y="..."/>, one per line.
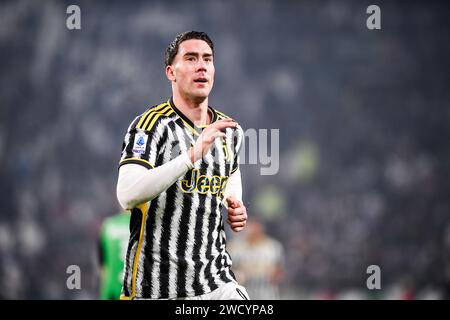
<point x="147" y="284"/>
<point x="236" y="155"/>
<point x="181" y="114"/>
<point x="214" y="223"/>
<point x="150" y="231"/>
<point x="132" y="128"/>
<point x="241" y="294"/>
<point x="209" y="256"/>
<point x="231" y="271"/>
<point x="125" y="285"/>
<point x="160" y="147"/>
<point x="182" y="125"/>
<point x="227" y="255"/>
<point x="217" y="243"/>
<point x="224" y="255"/>
<point x="215" y="115"/>
<point x="148" y="114"/>
<point x="198" y="236"/>
<point x="135" y="122"/>
<point x="182" y="243"/>
<point x="135" y="228"/>
<point x="182" y="231"/>
<point x="129" y="147"/>
<point x="220" y="228"/>
<point x="174" y="142"/>
<point x="151" y="137"/>
<point x="153" y="116"/>
<point x="164" y="243"/>
<point x="225" y="266"/>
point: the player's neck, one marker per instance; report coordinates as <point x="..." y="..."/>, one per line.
<point x="195" y="110"/>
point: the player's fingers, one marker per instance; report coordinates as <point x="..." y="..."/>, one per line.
<point x="236" y="211"/>
<point x="238" y="218"/>
<point x="233" y="202"/>
<point x="237" y="224"/>
<point x="224" y="120"/>
<point x="209" y="138"/>
<point x="220" y="134"/>
<point x="231" y="199"/>
<point x="237" y="229"/>
<point x="205" y="138"/>
<point x="232" y="205"/>
<point x="222" y="124"/>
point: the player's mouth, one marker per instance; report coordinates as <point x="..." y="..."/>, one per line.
<point x="201" y="80"/>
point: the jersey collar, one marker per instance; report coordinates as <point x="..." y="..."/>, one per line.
<point x="187" y="121"/>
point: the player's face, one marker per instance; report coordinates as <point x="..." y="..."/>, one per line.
<point x="193" y="69"/>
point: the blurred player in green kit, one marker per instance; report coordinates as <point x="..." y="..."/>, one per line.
<point x="113" y="243"/>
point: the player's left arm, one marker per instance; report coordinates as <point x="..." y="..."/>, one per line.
<point x="237" y="212"/>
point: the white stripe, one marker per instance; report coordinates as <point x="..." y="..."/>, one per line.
<point x="156" y="252"/>
<point x="190" y="274"/>
<point x="142" y="257"/>
<point x="175" y="225"/>
<point x="226" y="259"/>
<point x="124" y="151"/>
<point x="130" y="268"/>
<point x="141" y="261"/>
<point x="220" y="156"/>
<point x="159" y="130"/>
<point x="205" y="226"/>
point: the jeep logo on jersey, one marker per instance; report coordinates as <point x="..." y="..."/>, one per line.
<point x="204" y="184"/>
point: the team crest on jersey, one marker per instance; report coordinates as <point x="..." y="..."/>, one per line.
<point x="140" y="142"/>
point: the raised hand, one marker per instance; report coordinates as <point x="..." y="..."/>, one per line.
<point x="206" y="139"/>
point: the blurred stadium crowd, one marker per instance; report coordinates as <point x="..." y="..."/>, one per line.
<point x="364" y="123"/>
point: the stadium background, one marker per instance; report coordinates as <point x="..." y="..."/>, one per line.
<point x="363" y="118"/>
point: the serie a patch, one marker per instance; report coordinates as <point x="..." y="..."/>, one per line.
<point x="140" y="141"/>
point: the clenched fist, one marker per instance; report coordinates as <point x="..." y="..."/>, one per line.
<point x="237" y="214"/>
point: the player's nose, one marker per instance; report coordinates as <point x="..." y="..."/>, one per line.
<point x="201" y="65"/>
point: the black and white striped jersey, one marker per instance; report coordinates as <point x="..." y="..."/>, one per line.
<point x="177" y="240"/>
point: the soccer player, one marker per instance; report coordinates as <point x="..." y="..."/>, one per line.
<point x="258" y="262"/>
<point x="113" y="243"/>
<point x="179" y="167"/>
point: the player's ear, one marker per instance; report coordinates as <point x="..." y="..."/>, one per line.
<point x="170" y="73"/>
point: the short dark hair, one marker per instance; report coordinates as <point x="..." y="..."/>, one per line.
<point x="172" y="49"/>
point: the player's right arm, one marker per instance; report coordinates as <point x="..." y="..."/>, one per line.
<point x="138" y="184"/>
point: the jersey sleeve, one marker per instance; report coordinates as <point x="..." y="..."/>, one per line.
<point x="142" y="143"/>
<point x="238" y="137"/>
